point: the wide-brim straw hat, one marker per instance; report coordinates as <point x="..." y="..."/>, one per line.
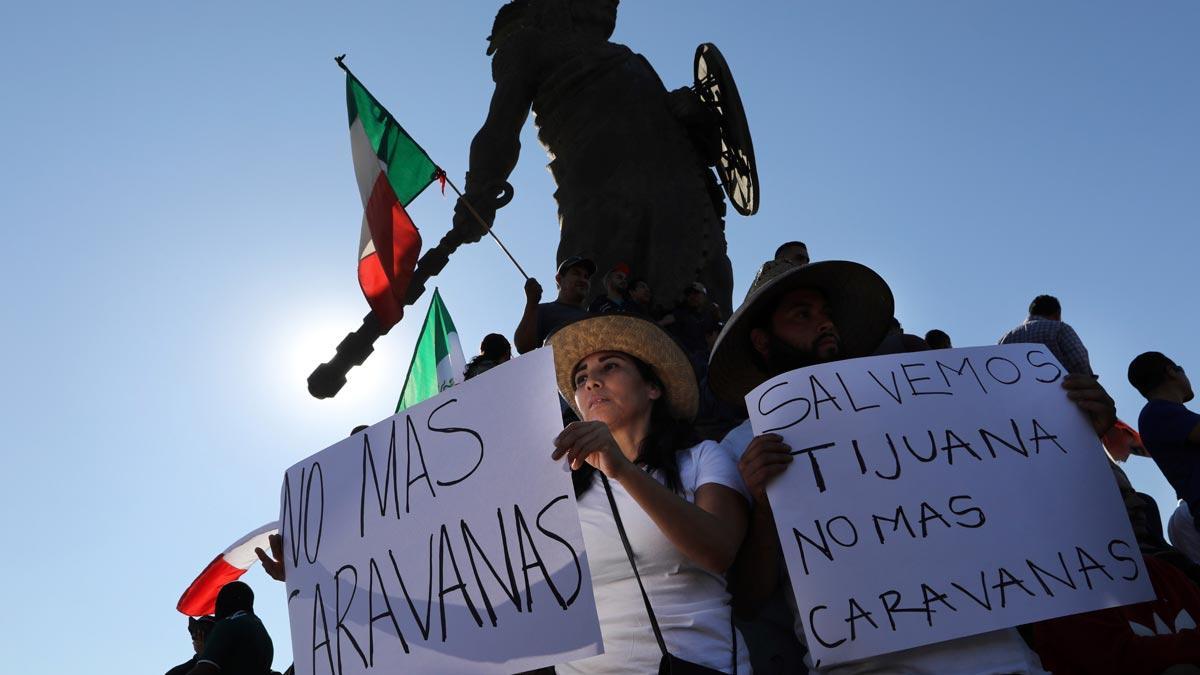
<point x="637" y="337"/>
<point x="860" y="300"/>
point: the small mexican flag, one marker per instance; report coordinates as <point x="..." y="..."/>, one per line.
<point x="438" y="362"/>
<point x="391" y="170"/>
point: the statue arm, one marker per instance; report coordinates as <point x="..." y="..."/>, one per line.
<point x="494" y="152"/>
<point x="496" y="146"/>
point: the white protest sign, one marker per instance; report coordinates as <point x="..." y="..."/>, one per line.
<point x="940" y="494"/>
<point x="443" y="539"/>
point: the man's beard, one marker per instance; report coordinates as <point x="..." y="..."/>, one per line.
<point x="784" y="357"/>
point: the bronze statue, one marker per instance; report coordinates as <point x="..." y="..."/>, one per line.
<point x="630" y="159"/>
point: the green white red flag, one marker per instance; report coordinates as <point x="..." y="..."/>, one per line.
<point x="438" y="362"/>
<point x="391" y="170"/>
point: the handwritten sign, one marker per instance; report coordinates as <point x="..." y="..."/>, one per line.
<point x="941" y="494"/>
<point x="442" y="539"/>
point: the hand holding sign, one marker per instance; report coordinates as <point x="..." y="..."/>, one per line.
<point x="441" y="539"/>
<point x="593" y="443"/>
<point x="943" y="494"/>
<point x="1090" y="397"/>
<point x="766" y="457"/>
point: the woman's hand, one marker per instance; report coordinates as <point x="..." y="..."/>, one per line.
<point x="591" y="442"/>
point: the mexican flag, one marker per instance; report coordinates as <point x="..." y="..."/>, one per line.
<point x="438" y="362"/>
<point x="200" y="598"/>
<point x="391" y="170"/>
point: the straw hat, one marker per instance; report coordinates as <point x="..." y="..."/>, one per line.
<point x="637" y="337"/>
<point x="860" y="300"/>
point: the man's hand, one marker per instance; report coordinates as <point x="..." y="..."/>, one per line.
<point x="533" y="291"/>
<point x="273" y="564"/>
<point x="766" y="457"/>
<point x="1091" y="398"/>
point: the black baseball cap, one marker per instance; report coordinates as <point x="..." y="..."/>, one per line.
<point x="574" y="261"/>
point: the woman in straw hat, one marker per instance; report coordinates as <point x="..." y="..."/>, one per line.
<point x="638" y="467"/>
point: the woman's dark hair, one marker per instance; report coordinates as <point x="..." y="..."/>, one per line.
<point x="667" y="436"/>
<point x="494" y="346"/>
<point x="492" y="350"/>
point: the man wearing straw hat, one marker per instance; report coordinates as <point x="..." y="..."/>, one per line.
<point x="797" y="316"/>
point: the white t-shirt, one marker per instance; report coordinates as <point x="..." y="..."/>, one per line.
<point x="1182" y="531"/>
<point x="691" y="604"/>
<point x="998" y="652"/>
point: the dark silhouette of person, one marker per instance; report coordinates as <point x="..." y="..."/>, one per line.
<point x="238" y="643"/>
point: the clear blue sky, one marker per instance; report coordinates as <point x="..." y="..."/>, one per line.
<point x="181" y="219"/>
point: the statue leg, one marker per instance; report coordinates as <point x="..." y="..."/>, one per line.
<point x="717" y="277"/>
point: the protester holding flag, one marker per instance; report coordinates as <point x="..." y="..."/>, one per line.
<point x="648" y="492"/>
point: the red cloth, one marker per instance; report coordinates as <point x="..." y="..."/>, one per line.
<point x="1123" y="440"/>
<point x="1107" y="641"/>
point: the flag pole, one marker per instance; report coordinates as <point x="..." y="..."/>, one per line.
<point x="329" y="377"/>
<point x="483" y="223"/>
<point x="478" y="218"/>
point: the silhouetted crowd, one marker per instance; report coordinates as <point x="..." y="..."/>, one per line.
<point x="671" y="479"/>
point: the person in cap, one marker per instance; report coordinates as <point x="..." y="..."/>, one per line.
<point x="574" y="280"/>
<point x="681" y="503"/>
<point x="797" y="316"/>
<point x="198" y="629"/>
<point x="616" y="292"/>
<point x="691" y="321"/>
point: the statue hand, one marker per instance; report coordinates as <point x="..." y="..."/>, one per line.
<point x="465" y="222"/>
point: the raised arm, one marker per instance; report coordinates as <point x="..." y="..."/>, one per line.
<point x="525" y="337"/>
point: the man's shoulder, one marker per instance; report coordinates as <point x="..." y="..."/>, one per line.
<point x="1157" y="409"/>
<point x="737" y="439"/>
<point x="556" y="307"/>
<point x="1033" y="329"/>
<point x="184" y="668"/>
<point x="241" y="623"/>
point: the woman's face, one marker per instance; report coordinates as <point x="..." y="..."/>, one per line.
<point x="609" y="388"/>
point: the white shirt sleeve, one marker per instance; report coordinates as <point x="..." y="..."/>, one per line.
<point x="708" y="463"/>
